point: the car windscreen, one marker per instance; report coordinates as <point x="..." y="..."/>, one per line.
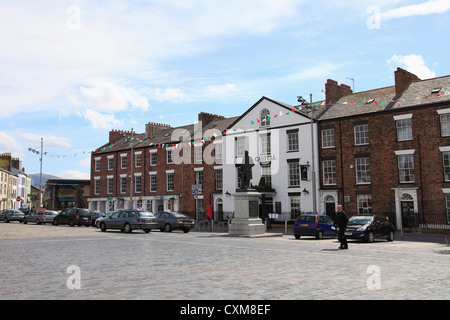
<point x="51" y="213"/>
<point x="145" y="214"/>
<point x="360" y="220"/>
<point x="180" y="215"/>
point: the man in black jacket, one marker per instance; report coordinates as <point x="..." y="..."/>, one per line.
<point x="341" y="222"/>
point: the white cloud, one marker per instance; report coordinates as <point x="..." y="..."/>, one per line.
<point x="73" y="174"/>
<point x="9" y="145"/>
<point x="222" y="89"/>
<point x="413" y="63"/>
<point x="49" y="141"/>
<point x="108" y="96"/>
<point x="100" y="120"/>
<point x="426" y="8"/>
<point x="170" y="94"/>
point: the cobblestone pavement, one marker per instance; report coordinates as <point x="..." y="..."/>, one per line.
<point x="203" y="265"/>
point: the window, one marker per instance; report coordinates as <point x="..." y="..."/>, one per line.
<point x="240" y="147"/>
<point x="109" y="185"/>
<point x="328" y="138"/>
<point x="199" y="177"/>
<point x="447" y="206"/>
<point x="445" y="124"/>
<point x="110" y="162"/>
<point x="406" y="168"/>
<point x="123" y="161"/>
<point x="96" y="185"/>
<point x="169" y="156"/>
<point x="361" y="134"/>
<point x="198" y="153"/>
<point x="292" y="140"/>
<point x="294" y="174"/>
<point x="265" y="144"/>
<point x="97" y="164"/>
<point x="446" y="163"/>
<point x="362" y="170"/>
<point x="153" y="183"/>
<point x="264" y="116"/>
<point x="218" y="174"/>
<point x="364" y="204"/>
<point x="404" y="129"/>
<point x="218" y="151"/>
<point x="169" y="177"/>
<point x="153" y="158"/>
<point x="329" y="172"/>
<point x="137" y="183"/>
<point x="266" y="173"/>
<point x="138" y="159"/>
<point x="123" y="184"/>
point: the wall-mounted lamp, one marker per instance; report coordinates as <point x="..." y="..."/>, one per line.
<point x="227" y="194"/>
<point x="305" y="192"/>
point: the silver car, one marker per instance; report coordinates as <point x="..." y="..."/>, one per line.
<point x="40" y="216"/>
<point x="8" y="215"/>
<point x="128" y="220"/>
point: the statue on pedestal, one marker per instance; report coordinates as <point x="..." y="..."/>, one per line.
<point x="245" y="172"/>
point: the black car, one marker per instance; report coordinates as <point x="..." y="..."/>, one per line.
<point x="73" y="216"/>
<point x="168" y="221"/>
<point x="368" y="228"/>
<point x="95" y="216"/>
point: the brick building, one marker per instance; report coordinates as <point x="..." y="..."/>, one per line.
<point x="387" y="150"/>
<point x="162" y="169"/>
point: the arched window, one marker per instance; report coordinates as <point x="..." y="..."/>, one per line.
<point x="264" y="116"/>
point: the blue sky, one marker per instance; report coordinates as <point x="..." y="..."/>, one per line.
<point x="70" y="71"/>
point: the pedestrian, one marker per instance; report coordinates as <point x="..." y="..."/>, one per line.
<point x="341" y="222"/>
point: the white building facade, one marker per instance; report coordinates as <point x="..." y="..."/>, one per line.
<point x="282" y="144"/>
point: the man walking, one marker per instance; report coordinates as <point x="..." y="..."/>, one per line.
<point x="341" y="222"/>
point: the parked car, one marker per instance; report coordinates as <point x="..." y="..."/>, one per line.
<point x="368" y="228"/>
<point x="9" y="215"/>
<point x="128" y="220"/>
<point x="40" y="216"/>
<point x="73" y="216"/>
<point x="314" y="225"/>
<point x="168" y="221"/>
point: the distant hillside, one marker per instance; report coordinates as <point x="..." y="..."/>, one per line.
<point x="35" y="178"/>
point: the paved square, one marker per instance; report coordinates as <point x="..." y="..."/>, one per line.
<point x="213" y="266"/>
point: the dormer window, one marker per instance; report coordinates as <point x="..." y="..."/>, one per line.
<point x="265" y="118"/>
<point x="435" y="90"/>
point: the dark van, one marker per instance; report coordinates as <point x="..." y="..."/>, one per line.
<point x="73" y="216"/>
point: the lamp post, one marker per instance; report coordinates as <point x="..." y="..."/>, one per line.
<point x="304" y="103"/>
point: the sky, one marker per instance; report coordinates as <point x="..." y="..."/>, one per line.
<point x="71" y="71"/>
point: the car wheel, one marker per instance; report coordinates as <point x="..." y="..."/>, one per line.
<point x="320" y="235"/>
<point x="55" y="222"/>
<point x="391" y="236"/>
<point x="127" y="228"/>
<point x="103" y="227"/>
<point x="38" y="221"/>
<point x="25" y="221"/>
<point x="370" y="237"/>
<point x="297" y="236"/>
<point x="6" y="220"/>
<point x="147" y="230"/>
<point x="167" y="228"/>
<point x="71" y="223"/>
<point x="186" y="230"/>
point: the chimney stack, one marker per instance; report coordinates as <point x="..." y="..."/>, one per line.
<point x="334" y="91"/>
<point x="403" y="79"/>
<point x="151" y="128"/>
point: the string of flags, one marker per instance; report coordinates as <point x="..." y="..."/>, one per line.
<point x="243" y="128"/>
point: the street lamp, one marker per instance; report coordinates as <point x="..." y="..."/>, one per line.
<point x="304" y="103"/>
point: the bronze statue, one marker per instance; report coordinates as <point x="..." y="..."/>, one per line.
<point x="245" y="172"/>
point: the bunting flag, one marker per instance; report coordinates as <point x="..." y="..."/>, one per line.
<point x="252" y="123"/>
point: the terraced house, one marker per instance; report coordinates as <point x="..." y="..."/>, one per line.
<point x="387" y="150"/>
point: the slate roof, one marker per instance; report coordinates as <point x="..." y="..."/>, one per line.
<point x="418" y="94"/>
